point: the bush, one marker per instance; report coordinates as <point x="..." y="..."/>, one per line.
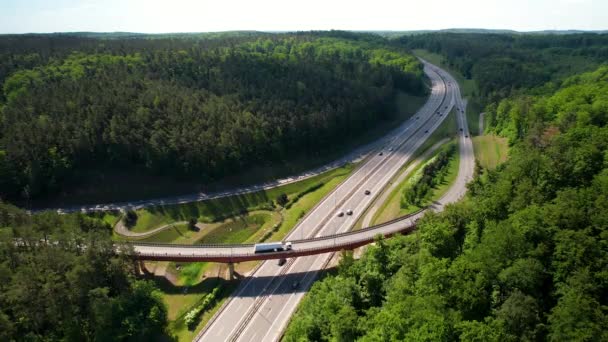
<point x="130" y="218"/>
<point x="282" y="199"/>
<point x="192" y="316"/>
<point x="192" y="223"/>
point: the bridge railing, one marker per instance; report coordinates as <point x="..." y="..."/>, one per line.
<point x="276" y="255"/>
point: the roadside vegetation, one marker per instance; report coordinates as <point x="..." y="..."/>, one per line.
<point x="391" y="208"/>
<point x="395" y="205"/>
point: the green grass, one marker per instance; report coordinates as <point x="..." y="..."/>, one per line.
<point x="468" y="88"/>
<point x="179" y="329"/>
<point x="190" y="273"/>
<point x="178" y="233"/>
<point x="220" y="208"/>
<point x="238" y="230"/>
<point x="391" y="208"/>
<point x="490" y="150"/>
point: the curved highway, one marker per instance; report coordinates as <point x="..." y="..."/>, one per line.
<point x="262" y="305"/>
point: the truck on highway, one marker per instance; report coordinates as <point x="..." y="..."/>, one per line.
<point x="271" y="247"/>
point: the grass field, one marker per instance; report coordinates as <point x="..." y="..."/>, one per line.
<point x="490" y="150"/>
<point x="392" y="207"/>
<point x="220" y="208"/>
<point x="468" y="88"/>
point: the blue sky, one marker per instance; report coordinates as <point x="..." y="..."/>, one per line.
<point x="151" y="16"/>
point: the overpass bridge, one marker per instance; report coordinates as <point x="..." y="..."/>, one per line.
<point x="245" y="252"/>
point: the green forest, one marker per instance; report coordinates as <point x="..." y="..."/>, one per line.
<point x="524" y="257"/>
<point x="186" y="108"/>
<point x="64" y="281"/>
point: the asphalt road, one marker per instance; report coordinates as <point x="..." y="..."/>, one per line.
<point x="378" y="202"/>
<point x="261" y="307"/>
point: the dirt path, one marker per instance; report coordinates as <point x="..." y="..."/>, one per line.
<point x="121" y="229"/>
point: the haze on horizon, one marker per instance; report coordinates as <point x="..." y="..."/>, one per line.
<point x="152" y="16"/>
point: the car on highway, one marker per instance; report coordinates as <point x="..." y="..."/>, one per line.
<point x="367" y="192"/>
<point x="390" y="149"/>
<point x="282" y="262"/>
<point x="340" y="214"/>
<point x="295" y="285"/>
<point x="417" y="117"/>
<point x="461" y="129"/>
<point x="349" y="212"/>
<point x="381" y="153"/>
<point x="426" y="131"/>
<point x="466" y="136"/>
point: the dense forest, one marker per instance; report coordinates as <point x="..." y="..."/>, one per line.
<point x="186" y="107"/>
<point x="503" y="64"/>
<point x="523" y="258"/>
<point x="63" y="281"/>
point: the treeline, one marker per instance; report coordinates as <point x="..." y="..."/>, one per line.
<point x="432" y="175"/>
<point x="188" y="108"/>
<point x="61" y="280"/>
<point x="524" y="258"/>
<point x="503" y="63"/>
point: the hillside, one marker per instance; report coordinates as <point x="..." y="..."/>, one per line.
<point x="523" y="258"/>
<point x="186" y="108"/>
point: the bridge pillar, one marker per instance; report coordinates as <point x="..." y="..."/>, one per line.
<point x="230" y="271"/>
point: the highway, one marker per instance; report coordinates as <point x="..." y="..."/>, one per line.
<point x="262" y="305"/>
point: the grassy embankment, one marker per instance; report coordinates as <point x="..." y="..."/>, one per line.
<point x="391" y="208"/>
<point x="468" y="88"/>
<point x="490" y="150"/>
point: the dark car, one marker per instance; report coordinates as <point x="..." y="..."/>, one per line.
<point x="466" y="136"/>
<point x="461" y="129"/>
<point x="426" y="131"/>
<point x="381" y="153"/>
<point x="282" y="262"/>
<point x="340" y="214"/>
<point x="417" y="117"/>
<point x="367" y="192"/>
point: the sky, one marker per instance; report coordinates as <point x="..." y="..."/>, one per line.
<point x="153" y="16"/>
